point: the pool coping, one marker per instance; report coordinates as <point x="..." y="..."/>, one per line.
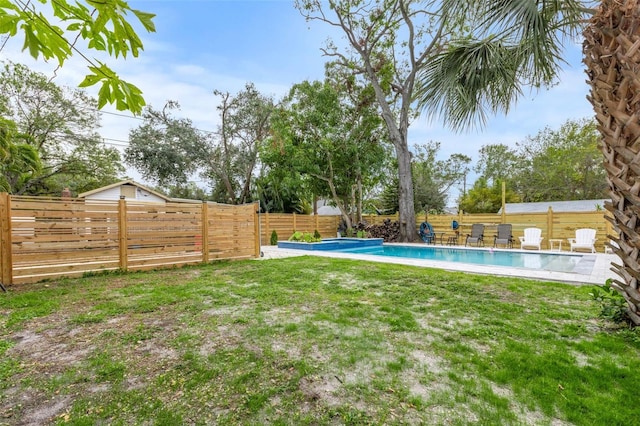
<point x="599" y="274"/>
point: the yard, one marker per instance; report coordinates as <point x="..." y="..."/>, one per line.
<point x="312" y="340"/>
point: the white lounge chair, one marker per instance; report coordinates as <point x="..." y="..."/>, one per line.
<point x="608" y="248"/>
<point x="585" y="240"/>
<point x="532" y="238"/>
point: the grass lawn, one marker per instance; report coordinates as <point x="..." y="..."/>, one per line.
<point x="312" y="341"/>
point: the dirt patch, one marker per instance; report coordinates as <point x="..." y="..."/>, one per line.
<point x="321" y="389"/>
<point x="52" y="348"/>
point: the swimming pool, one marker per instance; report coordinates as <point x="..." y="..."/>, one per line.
<point x="332" y="244"/>
<point x="554" y="262"/>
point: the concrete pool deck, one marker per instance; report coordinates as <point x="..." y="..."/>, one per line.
<point x="599" y="274"/>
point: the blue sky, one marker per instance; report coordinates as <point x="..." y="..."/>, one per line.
<point x="203" y="45"/>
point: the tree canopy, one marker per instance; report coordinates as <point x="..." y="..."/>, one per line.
<point x="61" y="126"/>
<point x="553" y="165"/>
<point x="334" y="142"/>
<point x="165" y="149"/>
<point x="232" y="157"/>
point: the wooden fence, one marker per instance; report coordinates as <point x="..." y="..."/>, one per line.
<point x="554" y="225"/>
<point x="44" y="238"/>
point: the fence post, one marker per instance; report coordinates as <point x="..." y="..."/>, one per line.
<point x="122" y="233"/>
<point x="549" y="223"/>
<point x="205" y="231"/>
<point x="503" y="216"/>
<point x="294" y="222"/>
<point x="6" y="255"/>
<point x="256" y="228"/>
<point x="267" y="233"/>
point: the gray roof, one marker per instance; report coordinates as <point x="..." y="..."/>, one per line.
<point x="556" y="206"/>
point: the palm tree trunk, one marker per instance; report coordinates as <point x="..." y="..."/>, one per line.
<point x="612" y="56"/>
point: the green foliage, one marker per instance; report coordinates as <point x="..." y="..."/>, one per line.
<point x="304" y="237"/>
<point x="103" y="26"/>
<point x="433" y="178"/>
<point x="361" y="234"/>
<point x="188" y="190"/>
<point x="59" y="126"/>
<point x="497" y="51"/>
<point x="613" y="306"/>
<point x="20" y="160"/>
<point x="165" y="149"/>
<point x="233" y="152"/>
<point x="282" y="190"/>
<point x="274" y="238"/>
<point x="482" y="198"/>
<point x="554" y="165"/>
<point x="316" y="234"/>
<point x="562" y="164"/>
<point x="332" y="143"/>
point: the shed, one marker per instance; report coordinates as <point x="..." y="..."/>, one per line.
<point x="130" y="189"/>
<point x="556" y="206"/>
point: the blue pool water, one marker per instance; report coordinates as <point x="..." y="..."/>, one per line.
<point x="556" y="262"/>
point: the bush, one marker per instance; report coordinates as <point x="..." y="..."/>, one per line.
<point x="317" y="235"/>
<point x="274" y="238"/>
<point x="613" y="306"/>
<point x="305" y="237"/>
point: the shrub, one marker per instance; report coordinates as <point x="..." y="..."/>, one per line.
<point x="317" y="235"/>
<point x="305" y="237"/>
<point x="613" y="306"/>
<point x="274" y="238"/>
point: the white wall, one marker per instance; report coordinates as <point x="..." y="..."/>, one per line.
<point x="114" y="194"/>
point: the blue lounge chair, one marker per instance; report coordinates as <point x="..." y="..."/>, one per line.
<point x="426" y="233"/>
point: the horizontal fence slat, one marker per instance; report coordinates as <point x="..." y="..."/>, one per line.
<point x="53" y="237"/>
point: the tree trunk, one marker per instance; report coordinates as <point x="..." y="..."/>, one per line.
<point x="612" y="58"/>
<point x="406" y="209"/>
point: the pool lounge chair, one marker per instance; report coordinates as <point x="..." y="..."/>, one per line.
<point x="585" y="240"/>
<point x="531" y="239"/>
<point x="476" y="236"/>
<point x="503" y="236"/>
<point x="426" y="233"/>
<point x="611" y="247"/>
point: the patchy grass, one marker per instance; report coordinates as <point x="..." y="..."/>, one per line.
<point x="311" y="341"/>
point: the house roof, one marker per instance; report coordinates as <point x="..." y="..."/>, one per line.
<point x="124" y="182"/>
<point x="556" y="206"/>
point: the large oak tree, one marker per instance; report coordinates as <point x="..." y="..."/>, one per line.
<point x="461" y="59"/>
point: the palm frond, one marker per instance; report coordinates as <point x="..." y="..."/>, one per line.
<point x="515" y="44"/>
<point x="469" y="81"/>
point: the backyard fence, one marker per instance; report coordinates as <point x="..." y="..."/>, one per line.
<point x="554" y="225"/>
<point x="43" y="238"/>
